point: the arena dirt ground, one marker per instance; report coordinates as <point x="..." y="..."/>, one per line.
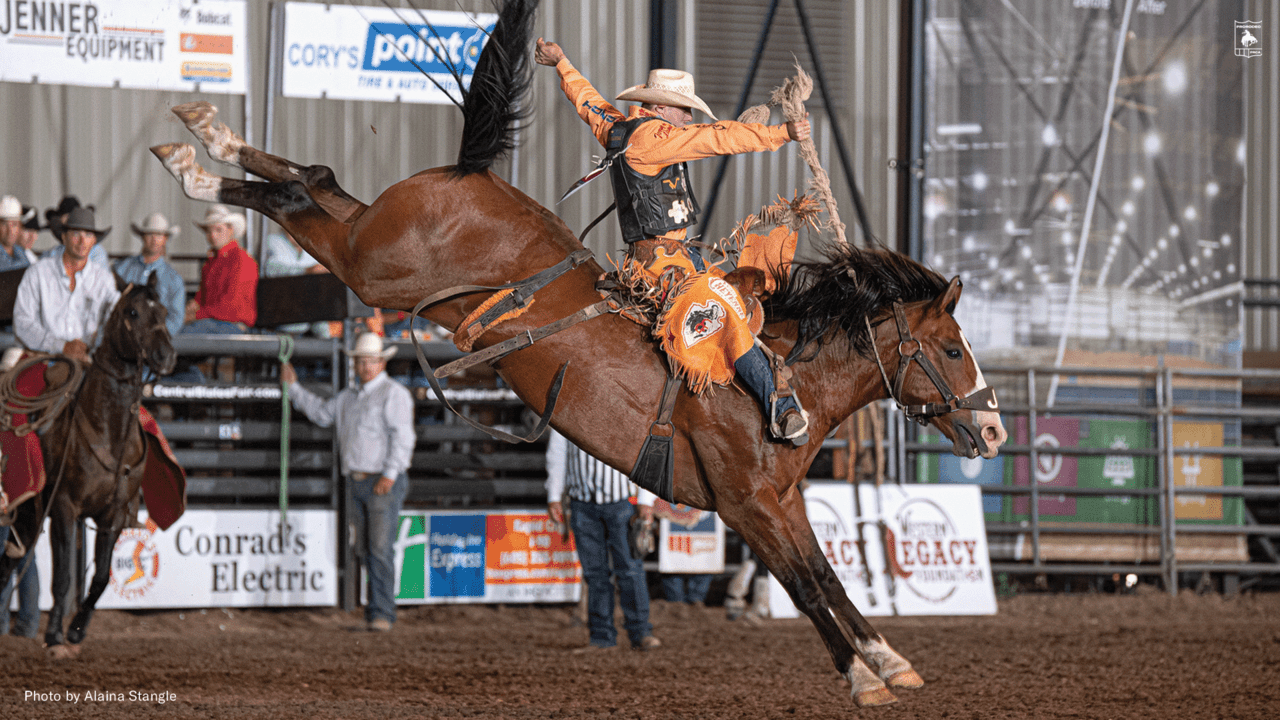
<point x="1042" y="656"/>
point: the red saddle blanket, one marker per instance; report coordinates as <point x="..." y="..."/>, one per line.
<point x="164" y="482"/>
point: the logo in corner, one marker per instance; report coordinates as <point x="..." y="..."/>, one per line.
<point x="135" y="563"/>
<point x="1247" y="43"/>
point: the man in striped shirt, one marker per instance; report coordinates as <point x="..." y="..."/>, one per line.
<point x="600" y="513"/>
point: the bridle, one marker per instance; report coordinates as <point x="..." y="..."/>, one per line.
<point x="910" y="349"/>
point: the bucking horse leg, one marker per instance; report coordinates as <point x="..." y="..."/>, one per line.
<point x="226" y="146"/>
<point x="62" y="540"/>
<point x="772" y="536"/>
<point x="288" y="203"/>
<point x="889" y="667"/>
<point x="103" y="547"/>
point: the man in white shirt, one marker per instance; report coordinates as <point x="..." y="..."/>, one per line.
<point x="63" y="300"/>
<point x="375" y="446"/>
<point x="600" y="516"/>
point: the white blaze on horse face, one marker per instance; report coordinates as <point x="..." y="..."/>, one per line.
<point x="986" y="419"/>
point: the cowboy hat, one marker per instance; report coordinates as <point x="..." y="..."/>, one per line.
<point x="10" y="208"/>
<point x="667" y="87"/>
<point x="82" y="219"/>
<point x="31" y="218"/>
<point x="155" y="224"/>
<point x="370" y="345"/>
<point x="217" y="214"/>
<point x="57" y="215"/>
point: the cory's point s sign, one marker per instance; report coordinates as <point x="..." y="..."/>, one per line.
<point x="371" y="53"/>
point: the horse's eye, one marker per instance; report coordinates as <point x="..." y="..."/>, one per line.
<point x="955" y="354"/>
<point x="131" y="313"/>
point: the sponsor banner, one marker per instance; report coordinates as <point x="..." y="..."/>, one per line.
<point x="489" y="556"/>
<point x="696" y="546"/>
<point x="1197" y="470"/>
<point x="216" y="558"/>
<point x="937" y="563"/>
<point x="1052" y="470"/>
<point x="143" y="44"/>
<point x="376" y="53"/>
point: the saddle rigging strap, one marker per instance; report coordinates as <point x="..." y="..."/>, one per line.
<point x="655" y="465"/>
<point x="523" y="289"/>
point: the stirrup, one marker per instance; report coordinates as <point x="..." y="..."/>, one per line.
<point x="798" y="436"/>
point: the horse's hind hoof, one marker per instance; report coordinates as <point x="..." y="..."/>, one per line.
<point x="64" y="652"/>
<point x="195" y="114"/>
<point x="872" y="698"/>
<point x="908" y="679"/>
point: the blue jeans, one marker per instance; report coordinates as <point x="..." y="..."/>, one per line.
<point x="600" y="532"/>
<point x="28" y="623"/>
<point x="753" y="368"/>
<point x="690" y="589"/>
<point x="377" y="521"/>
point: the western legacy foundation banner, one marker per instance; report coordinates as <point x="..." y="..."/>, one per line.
<point x="216" y="558"/>
<point x="484" y="556"/>
<point x="142" y="44"/>
<point x="937" y="564"/>
<point x="377" y="53"/>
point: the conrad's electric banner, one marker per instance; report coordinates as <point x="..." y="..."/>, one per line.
<point x="143" y="44"/>
<point x="379" y="53"/>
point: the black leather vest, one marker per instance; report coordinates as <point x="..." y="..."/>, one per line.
<point x="648" y="206"/>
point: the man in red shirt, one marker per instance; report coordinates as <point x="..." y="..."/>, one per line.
<point x="227" y="301"/>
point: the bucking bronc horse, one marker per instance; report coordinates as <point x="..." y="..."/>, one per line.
<point x="465" y="225"/>
<point x="95" y="454"/>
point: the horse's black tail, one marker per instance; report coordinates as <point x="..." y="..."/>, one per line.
<point x="495" y="102"/>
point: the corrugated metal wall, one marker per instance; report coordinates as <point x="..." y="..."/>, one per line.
<point x="1262" y="171"/>
<point x="93" y="142"/>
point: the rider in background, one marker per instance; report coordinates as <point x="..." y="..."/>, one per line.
<point x="650" y="148"/>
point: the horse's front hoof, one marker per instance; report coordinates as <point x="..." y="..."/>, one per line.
<point x="64" y="652"/>
<point x="909" y="679"/>
<point x="173" y="152"/>
<point x="872" y="698"/>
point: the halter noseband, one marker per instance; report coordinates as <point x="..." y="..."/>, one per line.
<point x="910" y="349"/>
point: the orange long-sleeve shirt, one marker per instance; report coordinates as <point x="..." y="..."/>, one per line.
<point x="654" y="146"/>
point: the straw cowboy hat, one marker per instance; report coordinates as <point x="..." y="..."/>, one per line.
<point x="82" y="218"/>
<point x="667" y="87"/>
<point x="223" y="214"/>
<point x="10" y="208"/>
<point x="370" y="345"/>
<point x="155" y="224"/>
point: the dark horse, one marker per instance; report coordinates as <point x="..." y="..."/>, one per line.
<point x="94" y="456"/>
<point x="465" y="225"/>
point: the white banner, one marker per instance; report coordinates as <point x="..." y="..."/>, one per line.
<point x="143" y="44"/>
<point x="376" y="53"/>
<point x="216" y="558"/>
<point x="939" y="560"/>
<point x="698" y="548"/>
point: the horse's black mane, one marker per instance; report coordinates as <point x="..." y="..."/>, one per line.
<point x="846" y="286"/>
<point x="495" y="102"/>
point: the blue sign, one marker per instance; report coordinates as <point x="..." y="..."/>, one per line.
<point x="976" y="471"/>
<point x="456" y="555"/>
<point x="393" y="47"/>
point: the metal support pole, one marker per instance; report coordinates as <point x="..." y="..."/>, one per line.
<point x="275" y="43"/>
<point x="1170" y="518"/>
<point x="1033" y="464"/>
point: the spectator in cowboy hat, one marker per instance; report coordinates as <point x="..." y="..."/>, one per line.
<point x="31" y="228"/>
<point x="64" y="299"/>
<point x="227" y="301"/>
<point x="155" y="232"/>
<point x="375" y="445"/>
<point x="11" y="255"/>
<point x="57" y="216"/>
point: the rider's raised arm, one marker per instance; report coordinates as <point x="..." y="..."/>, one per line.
<point x="590" y="105"/>
<point x="655" y="145"/>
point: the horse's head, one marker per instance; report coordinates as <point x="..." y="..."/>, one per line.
<point x="135" y="332"/>
<point x="928" y="367"/>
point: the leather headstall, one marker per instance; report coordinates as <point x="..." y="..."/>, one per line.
<point x="909" y="350"/>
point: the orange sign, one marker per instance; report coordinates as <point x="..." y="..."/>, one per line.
<point x="525" y="549"/>
<point x="192" y="42"/>
<point x="1197" y="470"/>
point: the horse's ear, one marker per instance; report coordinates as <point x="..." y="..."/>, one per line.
<point x="946" y="302"/>
<point x="120" y="283"/>
<point x="153" y="280"/>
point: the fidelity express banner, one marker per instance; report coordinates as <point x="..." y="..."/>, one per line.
<point x="144" y="44"/>
<point x="377" y="53"/>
